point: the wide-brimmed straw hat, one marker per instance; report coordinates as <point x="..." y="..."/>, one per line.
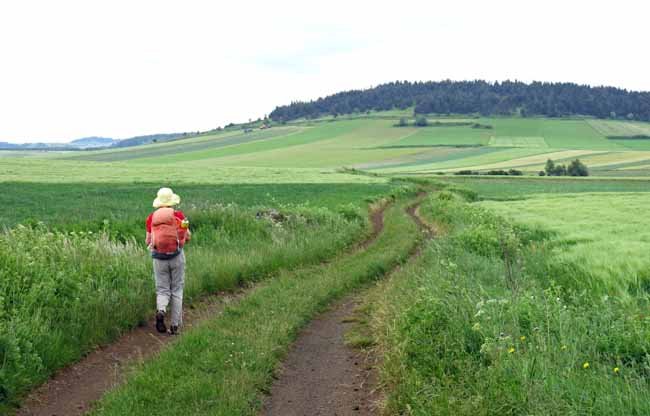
<point x="166" y="198"/>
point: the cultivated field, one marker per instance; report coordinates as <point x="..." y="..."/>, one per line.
<point x="530" y="299"/>
<point x="611" y="251"/>
<point x="535" y="306"/>
<point x="610" y="148"/>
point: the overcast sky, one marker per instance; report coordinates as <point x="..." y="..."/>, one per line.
<point x="70" y="69"/>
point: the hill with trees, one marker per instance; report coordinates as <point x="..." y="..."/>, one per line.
<point x="479" y="97"/>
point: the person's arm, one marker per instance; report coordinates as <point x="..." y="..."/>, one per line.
<point x="147" y="239"/>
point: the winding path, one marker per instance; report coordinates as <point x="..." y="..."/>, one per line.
<point x="321" y="374"/>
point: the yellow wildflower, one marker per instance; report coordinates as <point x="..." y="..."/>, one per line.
<point x="511" y="350"/>
<point x="522" y="338"/>
<point x="616" y="370"/>
<point x="585" y="365"/>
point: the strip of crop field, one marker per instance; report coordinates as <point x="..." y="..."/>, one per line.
<point x="354" y="146"/>
<point x="222" y="367"/>
<point x="280" y="143"/>
<point x="558" y="134"/>
<point x="633" y="143"/>
<point x="490" y="321"/>
<point x="200" y="171"/>
<point x="505" y="141"/>
<point x="191" y="146"/>
<point x="612" y="128"/>
<point x="595" y="160"/>
<point x="498" y="157"/>
<point x="641" y="166"/>
<point x="531" y="162"/>
<point x="428" y="157"/>
<point x="515" y="188"/>
<point x="446" y="136"/>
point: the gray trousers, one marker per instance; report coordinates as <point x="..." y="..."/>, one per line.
<point x="170" y="279"/>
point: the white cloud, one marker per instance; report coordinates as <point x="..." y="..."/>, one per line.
<point x="76" y="68"/>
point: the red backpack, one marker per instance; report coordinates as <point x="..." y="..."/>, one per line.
<point x="164" y="231"/>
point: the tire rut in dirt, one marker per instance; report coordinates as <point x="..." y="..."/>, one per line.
<point x="73" y="390"/>
<point x="321" y="374"/>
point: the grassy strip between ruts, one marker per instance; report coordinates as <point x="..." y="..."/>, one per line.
<point x="222" y="367"/>
<point x="482" y="324"/>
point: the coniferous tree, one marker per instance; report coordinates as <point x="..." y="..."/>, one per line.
<point x="479" y="97"/>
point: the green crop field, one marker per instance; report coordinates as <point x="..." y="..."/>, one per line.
<point x="536" y="306"/>
<point x="374" y="142"/>
<point x="444" y="136"/>
<point x="611" y="128"/>
<point x="610" y="248"/>
<point x="528" y="279"/>
<point x="505" y="141"/>
<point x="515" y="188"/>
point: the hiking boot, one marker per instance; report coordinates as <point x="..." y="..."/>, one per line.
<point x="160" y="322"/>
<point x="173" y="330"/>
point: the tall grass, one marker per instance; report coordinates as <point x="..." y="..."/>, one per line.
<point x="477" y="327"/>
<point x="601" y="240"/>
<point x="223" y="366"/>
<point x="62" y="293"/>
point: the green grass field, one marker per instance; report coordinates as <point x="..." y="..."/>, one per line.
<point x="86" y="206"/>
<point x="515" y="188"/>
<point x="371" y="142"/>
<point x="611" y="247"/>
<point x="558" y="261"/>
<point x="545" y="315"/>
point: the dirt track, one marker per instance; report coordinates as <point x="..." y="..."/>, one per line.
<point x="72" y="391"/>
<point x="322" y="375"/>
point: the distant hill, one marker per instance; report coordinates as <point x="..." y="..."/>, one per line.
<point x="479" y="97"/>
<point x="152" y="138"/>
<point x="95" y="142"/>
<point x="36" y="146"/>
<point x="88" y="142"/>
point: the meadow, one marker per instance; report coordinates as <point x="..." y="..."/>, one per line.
<point x="448" y="144"/>
<point x="530" y="297"/>
<point x="87" y="240"/>
<point x="124" y="206"/>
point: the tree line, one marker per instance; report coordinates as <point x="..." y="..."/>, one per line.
<point x="575" y="168"/>
<point x="478" y="97"/>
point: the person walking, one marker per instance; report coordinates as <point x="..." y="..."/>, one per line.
<point x="167" y="233"/>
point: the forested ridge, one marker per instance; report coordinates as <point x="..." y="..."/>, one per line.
<point x="479" y="97"/>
